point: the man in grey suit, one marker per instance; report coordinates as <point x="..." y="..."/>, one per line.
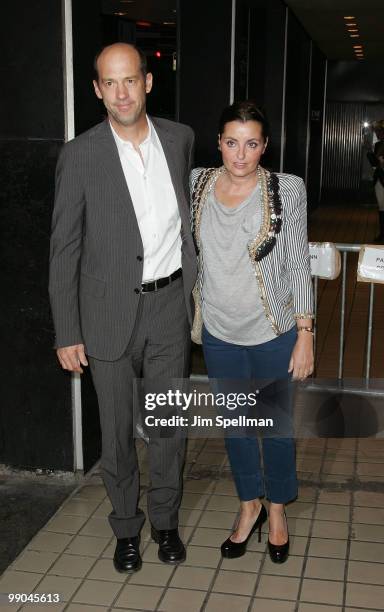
<point x="122" y="268"/>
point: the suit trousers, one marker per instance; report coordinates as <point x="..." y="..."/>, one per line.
<point x="158" y="349"/>
<point x="269" y="360"/>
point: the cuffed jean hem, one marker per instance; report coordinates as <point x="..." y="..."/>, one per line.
<point x="249" y="486"/>
<point x="281" y="491"/>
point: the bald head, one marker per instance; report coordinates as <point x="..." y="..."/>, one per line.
<point x="122" y="86"/>
<point x="120" y="50"/>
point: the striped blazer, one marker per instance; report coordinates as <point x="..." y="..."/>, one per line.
<point x="284" y="274"/>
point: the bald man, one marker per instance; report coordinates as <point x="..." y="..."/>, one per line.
<point x="122" y="269"/>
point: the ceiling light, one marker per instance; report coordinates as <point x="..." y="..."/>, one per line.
<point x="357" y="46"/>
<point x="349" y="17"/>
<point x="169" y="23"/>
<point x="120" y="14"/>
<point x="350" y="24"/>
<point x="355" y="35"/>
<point x="354" y="30"/>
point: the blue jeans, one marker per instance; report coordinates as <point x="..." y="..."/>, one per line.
<point x="269" y="360"/>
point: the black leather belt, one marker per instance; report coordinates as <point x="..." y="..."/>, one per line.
<point x="159" y="283"/>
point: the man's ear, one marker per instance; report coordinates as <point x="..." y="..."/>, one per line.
<point x="148" y="82"/>
<point x="97" y="90"/>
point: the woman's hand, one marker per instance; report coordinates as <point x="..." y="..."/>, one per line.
<point x="301" y="363"/>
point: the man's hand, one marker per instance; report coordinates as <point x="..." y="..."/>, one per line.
<point x="72" y="358"/>
<point x="302" y="362"/>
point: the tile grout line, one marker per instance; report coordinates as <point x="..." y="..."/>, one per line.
<point x="220" y="562"/>
<point x="309" y="535"/>
<point x="351" y="512"/>
<point x="99" y="558"/>
<point x="262" y="562"/>
<point x="258" y="579"/>
<point x="166" y="586"/>
<point x="236" y="571"/>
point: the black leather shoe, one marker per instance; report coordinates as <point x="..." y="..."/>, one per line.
<point x="171" y="548"/>
<point x="232" y="550"/>
<point x="127" y="555"/>
<point x="279" y="552"/>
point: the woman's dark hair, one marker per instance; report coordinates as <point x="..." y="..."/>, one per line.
<point x="246" y="110"/>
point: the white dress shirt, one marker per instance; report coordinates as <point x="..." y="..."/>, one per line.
<point x="154" y="200"/>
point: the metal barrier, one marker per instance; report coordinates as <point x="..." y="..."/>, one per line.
<point x="345" y="249"/>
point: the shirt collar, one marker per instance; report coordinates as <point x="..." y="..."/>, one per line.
<point x="121" y="143"/>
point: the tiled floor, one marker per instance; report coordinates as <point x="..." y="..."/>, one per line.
<point x="19" y="491"/>
<point x="337" y="543"/>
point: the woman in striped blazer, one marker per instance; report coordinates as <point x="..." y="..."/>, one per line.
<point x="254" y="309"/>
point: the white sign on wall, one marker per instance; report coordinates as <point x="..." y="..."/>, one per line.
<point x="370" y="268"/>
<point x="325" y="260"/>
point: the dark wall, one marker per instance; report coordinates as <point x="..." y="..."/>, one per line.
<point x="273" y="75"/>
<point x="296" y="98"/>
<point x="260" y="37"/>
<point x="35" y="416"/>
<point x="87" y="40"/>
<point x="204" y="70"/>
<point x="260" y="57"/>
<point x="259" y="74"/>
<point x="355" y="81"/>
<point x="31" y="73"/>
<point x="318" y="72"/>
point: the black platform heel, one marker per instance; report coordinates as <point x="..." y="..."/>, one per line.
<point x="232" y="550"/>
<point x="279" y="552"/>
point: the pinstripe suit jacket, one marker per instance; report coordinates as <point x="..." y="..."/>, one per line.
<point x="284" y="275"/>
<point x="96" y="259"/>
